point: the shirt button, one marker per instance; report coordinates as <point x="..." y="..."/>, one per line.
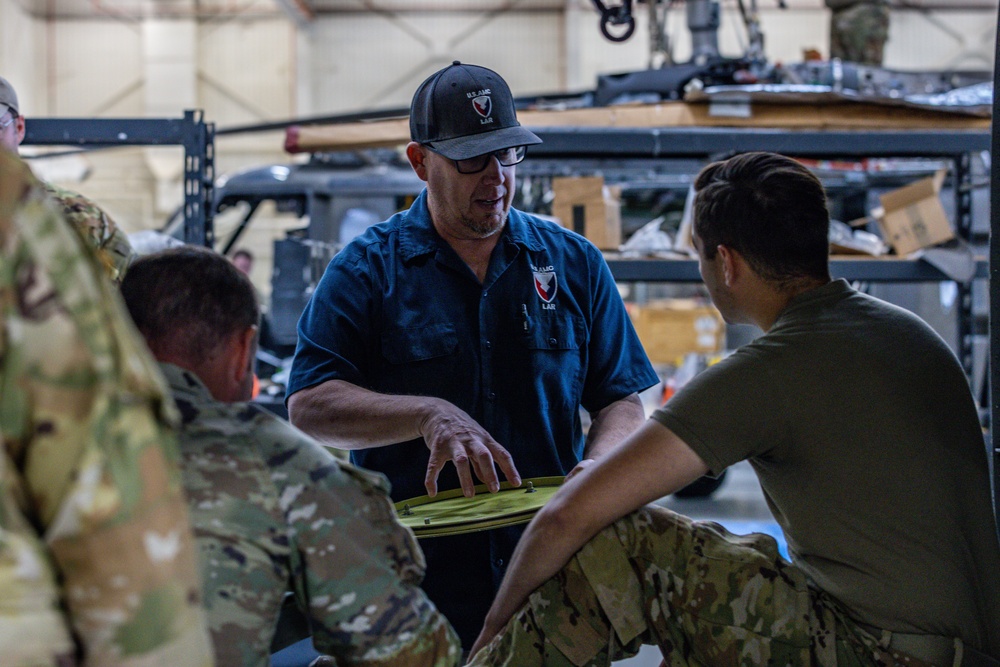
<point x="498" y="562"/>
<point x="553" y="342"/>
<point x="485" y="293"/>
<point x="489" y="345"/>
<point x="492" y="396"/>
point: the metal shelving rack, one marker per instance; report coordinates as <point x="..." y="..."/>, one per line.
<point x="192" y="132"/>
<point x="569" y="143"/>
<point x="706" y="144"/>
<point x="680" y="271"/>
<point x="717" y="143"/>
<point x="995" y="281"/>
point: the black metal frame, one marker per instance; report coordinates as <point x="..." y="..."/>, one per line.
<point x="192" y="132"/>
<point x="717" y="143"/>
<point x="198" y="139"/>
<point x="683" y="271"/>
<point x="994" y="443"/>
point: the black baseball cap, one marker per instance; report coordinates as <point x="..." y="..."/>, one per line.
<point x="463" y="111"/>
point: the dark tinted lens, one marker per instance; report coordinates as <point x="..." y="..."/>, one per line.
<point x="511" y="156"/>
<point x="507" y="157"/>
<point x="473" y="164"/>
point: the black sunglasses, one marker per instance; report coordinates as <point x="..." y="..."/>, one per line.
<point x="507" y="157"/>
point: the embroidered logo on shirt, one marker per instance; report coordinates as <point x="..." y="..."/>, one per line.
<point x="546" y="285"/>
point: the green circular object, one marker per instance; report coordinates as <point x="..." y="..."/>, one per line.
<point x="451" y="513"/>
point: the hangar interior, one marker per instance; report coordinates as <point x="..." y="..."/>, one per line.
<point x="273" y="125"/>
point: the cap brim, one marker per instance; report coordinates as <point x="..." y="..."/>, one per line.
<point x="462" y="148"/>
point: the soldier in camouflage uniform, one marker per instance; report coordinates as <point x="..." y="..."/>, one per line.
<point x="858" y="30"/>
<point x="114" y="251"/>
<point x="880" y="486"/>
<point x="97" y="565"/>
<point x="273" y="511"/>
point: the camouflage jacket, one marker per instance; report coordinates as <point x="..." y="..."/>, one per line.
<point x="94" y="531"/>
<point x="275" y="512"/>
<point x="114" y="251"/>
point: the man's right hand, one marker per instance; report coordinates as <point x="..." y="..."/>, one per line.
<point x="452" y="435"/>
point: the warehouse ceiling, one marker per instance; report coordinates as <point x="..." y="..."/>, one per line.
<point x="140" y="9"/>
<point x="303" y="11"/>
<point x="296" y="9"/>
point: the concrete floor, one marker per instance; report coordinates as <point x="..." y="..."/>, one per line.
<point x="738" y="505"/>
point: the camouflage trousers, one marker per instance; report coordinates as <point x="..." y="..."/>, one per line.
<point x="858" y="33"/>
<point x="703" y="595"/>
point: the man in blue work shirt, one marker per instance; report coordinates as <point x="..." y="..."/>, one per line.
<point x="464" y="330"/>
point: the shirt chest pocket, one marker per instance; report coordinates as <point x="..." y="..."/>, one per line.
<point x="553" y="353"/>
<point x="420" y="360"/>
<point x="417" y="344"/>
<point x="554" y="332"/>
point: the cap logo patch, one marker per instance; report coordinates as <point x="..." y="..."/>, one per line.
<point x="483" y="105"/>
<point x="546" y="285"/>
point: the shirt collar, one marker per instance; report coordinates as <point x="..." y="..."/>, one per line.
<point x="521" y="232"/>
<point x="417" y="235"/>
<point x="185" y="383"/>
<point x="836" y="289"/>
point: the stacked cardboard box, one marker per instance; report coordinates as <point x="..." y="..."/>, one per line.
<point x="589" y="207"/>
<point x="672" y="328"/>
<point x="912" y="217"/>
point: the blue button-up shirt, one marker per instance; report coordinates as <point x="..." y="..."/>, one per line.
<point x="399" y="312"/>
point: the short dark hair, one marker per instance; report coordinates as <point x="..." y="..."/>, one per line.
<point x="189" y="298"/>
<point x="770" y="209"/>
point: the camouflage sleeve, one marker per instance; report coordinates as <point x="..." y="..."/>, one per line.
<point x="84" y="419"/>
<point x="361" y="570"/>
<point x="116" y="253"/>
<point x="33" y="630"/>
<point x="98" y="229"/>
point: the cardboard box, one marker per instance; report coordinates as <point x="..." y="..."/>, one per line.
<point x="912" y="217"/>
<point x="588" y="207"/>
<point x="672" y="328"/>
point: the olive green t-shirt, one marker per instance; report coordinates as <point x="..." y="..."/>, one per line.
<point x="861" y="426"/>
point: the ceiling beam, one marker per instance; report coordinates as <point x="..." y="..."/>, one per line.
<point x="298" y="10"/>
